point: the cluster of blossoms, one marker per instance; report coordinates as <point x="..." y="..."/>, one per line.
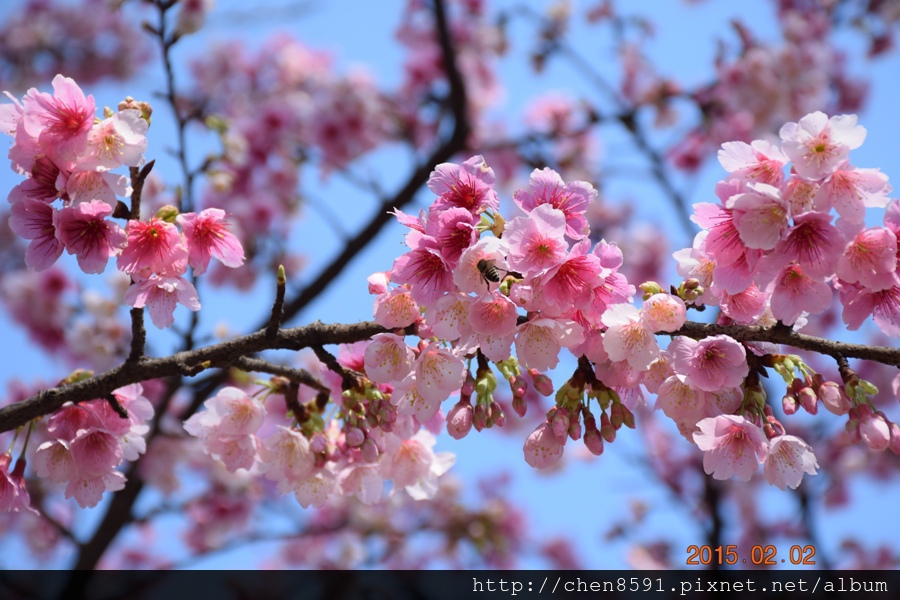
<point x="318" y="461"/>
<point x="67" y="154"/>
<point x="89" y="440"/>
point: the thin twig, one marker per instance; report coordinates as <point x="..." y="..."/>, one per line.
<point x="278" y="307"/>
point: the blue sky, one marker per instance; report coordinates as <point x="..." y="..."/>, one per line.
<point x="601" y="488"/>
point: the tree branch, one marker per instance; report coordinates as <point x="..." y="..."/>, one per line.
<point x="219" y="355"/>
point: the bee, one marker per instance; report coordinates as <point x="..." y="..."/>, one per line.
<point x="489" y="271"/>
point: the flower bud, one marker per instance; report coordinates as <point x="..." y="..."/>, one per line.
<point x="560" y="423"/>
<point x="480" y="418"/>
<point x="789" y="404"/>
<point x="459" y="420"/>
<point x="833" y="398"/>
<point x="318" y="444"/>
<point x="354" y="437"/>
<point x="519" y="405"/>
<point x="808" y="400"/>
<point x="542" y="383"/>
<point x="593" y="442"/>
<point x="606" y="429"/>
<point x="495" y="414"/>
<point x="616" y="416"/>
<point x="369" y="451"/>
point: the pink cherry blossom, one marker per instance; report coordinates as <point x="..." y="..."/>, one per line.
<point x="468" y="186"/>
<point x="712" y="364"/>
<point x="543" y="448"/>
<point x="799" y="193"/>
<point x="208" y="237"/>
<point x="438" y="372"/>
<point x="396" y="308"/>
<point x="454" y="230"/>
<point x="160" y="294"/>
<point x="746" y="306"/>
<point x="817" y="145"/>
<point x="723" y="242"/>
<point x="95" y="452"/>
<point x="285" y="458"/>
<point x="84" y="186"/>
<point x="813" y="242"/>
<point x="787" y="459"/>
<point x="794" y="292"/>
<point x="629" y="337"/>
<point x="679" y="401"/>
<point x="61" y="121"/>
<point x="409" y="400"/>
<point x="36" y="221"/>
<point x="570" y="284"/>
<point x="467" y="277"/>
<point x="732" y="446"/>
<point x="118" y="140"/>
<point x="153" y="246"/>
<point x="230" y="412"/>
<point x="870" y="259"/>
<point x="89" y="491"/>
<point x="493" y="314"/>
<point x="87" y="234"/>
<point x="883" y="305"/>
<point x="664" y="312"/>
<point x="536" y="242"/>
<point x="760" y="215"/>
<point x="388" y="358"/>
<point x="41" y="185"/>
<point x="424" y="268"/>
<point x="572" y="198"/>
<point x="13" y="495"/>
<point x="414" y="466"/>
<point x="759" y="161"/>
<point x="53" y="460"/>
<point x="316" y="489"/>
<point x="449" y="316"/>
<point x="850" y="190"/>
<point x="539" y="341"/>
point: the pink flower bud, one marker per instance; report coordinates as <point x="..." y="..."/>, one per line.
<point x="519" y="405"/>
<point x="628" y="417"/>
<point x="354" y="437"/>
<point x="575" y="427"/>
<point x="875" y="431"/>
<point x="594" y="442"/>
<point x="833" y="397"/>
<point x="318" y="444"/>
<point x="543" y="448"/>
<point x="468" y="386"/>
<point x="560" y="423"/>
<point x="518" y="385"/>
<point x="808" y="400"/>
<point x="459" y="420"/>
<point x="479" y="419"/>
<point x="617" y="417"/>
<point x="542" y="383"/>
<point x="789" y="404"/>
<point x="369" y="451"/>
<point x="496" y="415"/>
<point x="606" y="429"/>
<point x="895" y="438"/>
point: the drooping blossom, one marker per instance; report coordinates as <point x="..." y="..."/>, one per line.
<point x="813" y="242"/>
<point x="161" y="294"/>
<point x="788" y="458"/>
<point x="793" y="291"/>
<point x="731" y="445"/>
<point x="86" y="233"/>
<point x="539" y="341"/>
<point x="414" y="465"/>
<point x="760" y="215"/>
<point x="13" y="495"/>
<point x="870" y="259"/>
<point x="883" y="305"/>
<point x="850" y="190"/>
<point x="543" y="448"/>
<point x="396" y="308"/>
<point x="438" y="372"/>
<point x="664" y="312"/>
<point x="570" y="284"/>
<point x="424" y="268"/>
<point x="758" y="162"/>
<point x="36" y="221"/>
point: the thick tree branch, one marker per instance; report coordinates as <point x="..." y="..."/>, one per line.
<point x="215" y="356"/>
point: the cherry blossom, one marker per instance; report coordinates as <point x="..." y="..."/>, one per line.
<point x="787" y="459"/>
<point x="731" y="445"/>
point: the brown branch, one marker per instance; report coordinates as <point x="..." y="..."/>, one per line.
<point x="278" y="307"/>
<point x="219" y="355"/>
<point x="301" y="376"/>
